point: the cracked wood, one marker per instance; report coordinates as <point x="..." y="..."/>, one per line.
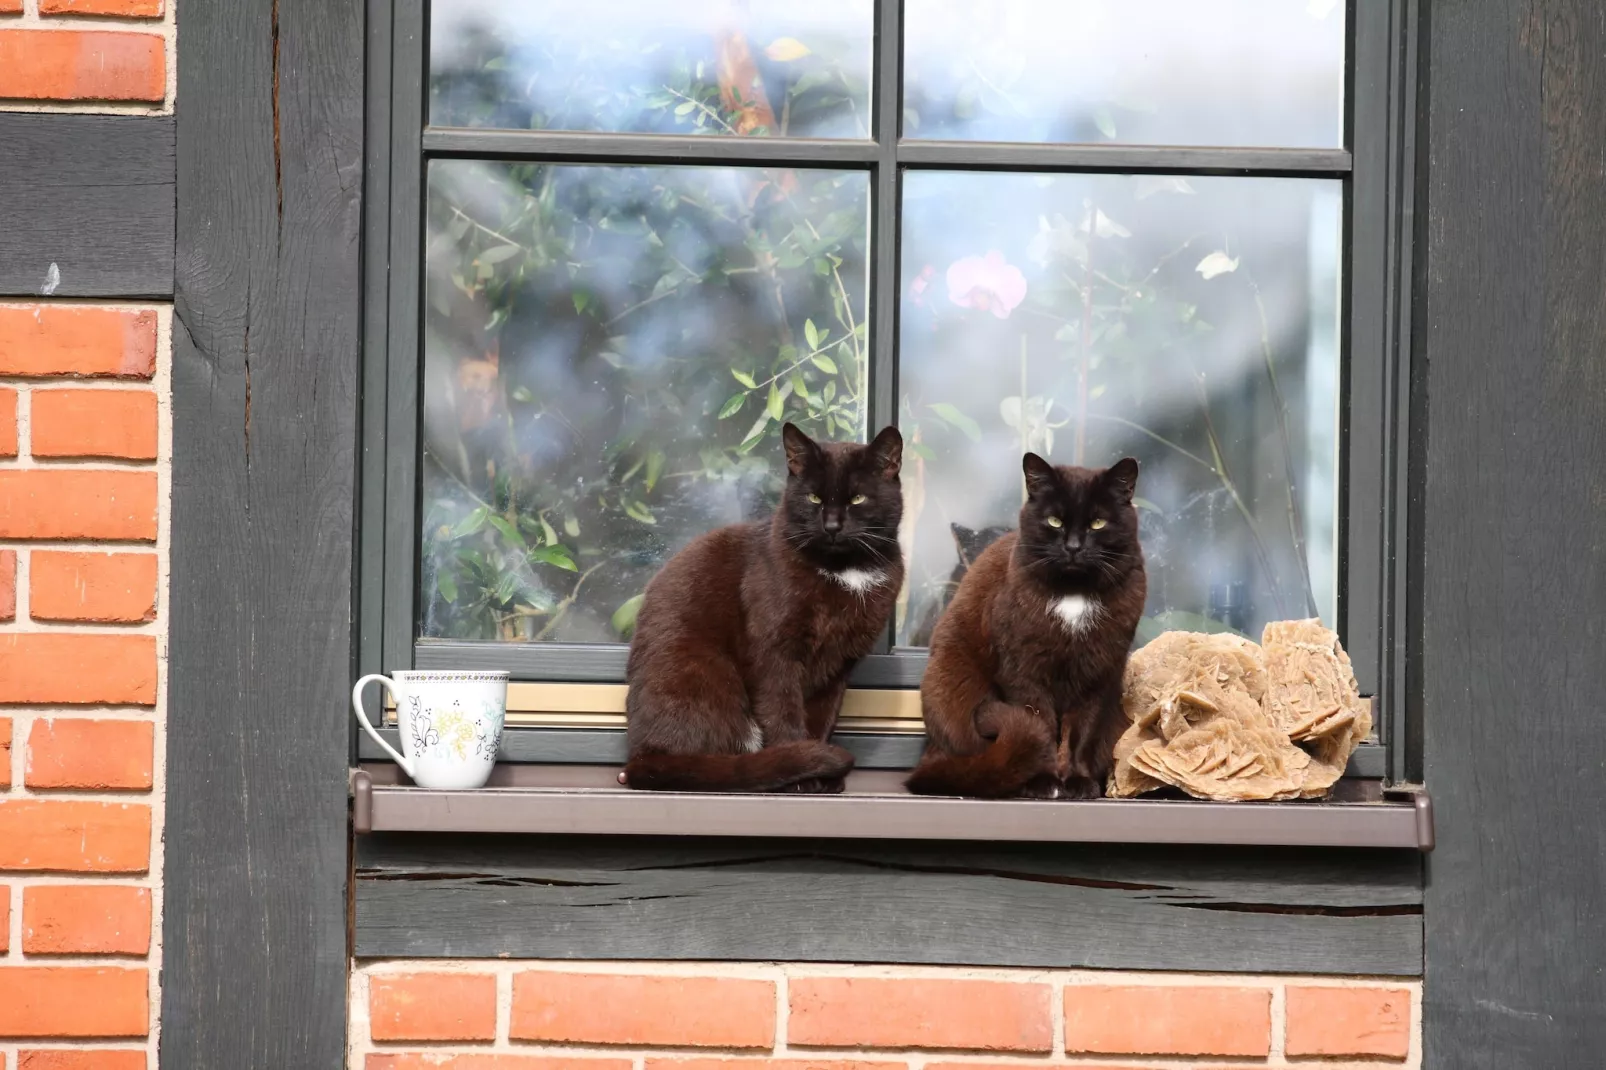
<point x="1297" y="911"/>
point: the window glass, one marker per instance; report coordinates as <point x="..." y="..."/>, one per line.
<point x="609" y="355"/>
<point x="1191" y="323"/>
<point x="1158" y="72"/>
<point x="734" y="67"/>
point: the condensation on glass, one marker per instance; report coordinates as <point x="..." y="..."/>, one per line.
<point x="731" y="67"/>
<point x="1190" y="323"/>
<point x="1157" y="72"/>
<point x="609" y="356"/>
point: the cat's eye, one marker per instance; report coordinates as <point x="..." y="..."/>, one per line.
<point x="1054" y="522"/>
<point x="858" y="499"/>
<point x="814" y="498"/>
<point x="1099" y="524"/>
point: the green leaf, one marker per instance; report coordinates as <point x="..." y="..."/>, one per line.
<point x="509" y="532"/>
<point x="499" y="254"/>
<point x="639" y="511"/>
<point x="1144" y="503"/>
<point x="571" y="526"/>
<point x="471" y="523"/>
<point x="824" y="363"/>
<point x="522" y="395"/>
<point x="581" y="300"/>
<point x="685" y="108"/>
<point x="554" y="555"/>
<point x="655" y="468"/>
<point x="743" y="378"/>
<point x="957" y="419"/>
<point x="732" y="406"/>
<point x="920" y="449"/>
<point x="1105" y="122"/>
<point x="812" y="333"/>
<point x="508" y="587"/>
<point x="548" y="536"/>
<point x="777" y="404"/>
<point x="446" y="583"/>
<point x="624" y="618"/>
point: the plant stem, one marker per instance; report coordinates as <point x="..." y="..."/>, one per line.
<point x="1080" y="453"/>
<point x="1296" y="526"/>
<point x="1225" y="476"/>
<point x="568" y="600"/>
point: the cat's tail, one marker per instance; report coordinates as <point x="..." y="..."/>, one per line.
<point x="769" y="769"/>
<point x="1020" y="752"/>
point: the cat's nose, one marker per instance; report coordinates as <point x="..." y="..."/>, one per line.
<point x="1073" y="543"/>
<point x="833" y="523"/>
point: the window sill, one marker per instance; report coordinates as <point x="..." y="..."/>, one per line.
<point x="871" y="810"/>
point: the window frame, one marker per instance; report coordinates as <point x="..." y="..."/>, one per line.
<point x="1376" y="167"/>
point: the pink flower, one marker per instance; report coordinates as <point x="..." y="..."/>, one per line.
<point x="917" y="288"/>
<point x="986" y="282"/>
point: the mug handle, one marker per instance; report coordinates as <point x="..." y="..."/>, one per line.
<point x="367" y="726"/>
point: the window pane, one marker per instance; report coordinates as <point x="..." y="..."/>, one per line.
<point x="749" y="67"/>
<point x="1158" y="72"/>
<point x="609" y="355"/>
<point x="1192" y="324"/>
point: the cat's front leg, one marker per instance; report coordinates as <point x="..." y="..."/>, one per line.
<point x="778" y="705"/>
<point x="824" y="706"/>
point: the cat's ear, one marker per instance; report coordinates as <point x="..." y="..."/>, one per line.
<point x="1122" y="479"/>
<point x="962" y="535"/>
<point x="1040" y="475"/>
<point x="886" y="452"/>
<point x="801" y="450"/>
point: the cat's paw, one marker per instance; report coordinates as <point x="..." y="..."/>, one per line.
<point x="1081" y="787"/>
<point x="1042" y="786"/>
<point x="817" y="786"/>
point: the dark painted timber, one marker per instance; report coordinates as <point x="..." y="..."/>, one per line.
<point x="87" y="202"/>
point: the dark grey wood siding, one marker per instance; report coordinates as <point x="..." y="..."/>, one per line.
<point x="88" y="205"/>
<point x="1512" y="665"/>
<point x="1295" y="911"/>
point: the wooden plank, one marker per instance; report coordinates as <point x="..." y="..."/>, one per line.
<point x="265" y="365"/>
<point x="87" y="205"/>
<point x="1513" y="658"/>
<point x="1296" y="911"/>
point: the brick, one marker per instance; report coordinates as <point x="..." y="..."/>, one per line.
<point x="874" y="1012"/>
<point x="82" y="65"/>
<point x="432" y="1006"/>
<point x="66" y="752"/>
<point x="8" y="423"/>
<point x="92" y="587"/>
<point x="824" y="1063"/>
<point x="128" y="9"/>
<point x="73" y="1001"/>
<point x="68" y="668"/>
<point x="8" y="585"/>
<point x="1349" y="1021"/>
<point x="86" y="919"/>
<point x="78" y="503"/>
<point x="77" y="341"/>
<point x="5" y="752"/>
<point x="659" y="1010"/>
<point x="419" y="1060"/>
<point x="93" y="423"/>
<point x="9" y="7"/>
<point x="1167" y="1020"/>
<point x="73" y="835"/>
<point x="95" y="1059"/>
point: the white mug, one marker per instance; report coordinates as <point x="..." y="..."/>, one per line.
<point x="451" y="724"/>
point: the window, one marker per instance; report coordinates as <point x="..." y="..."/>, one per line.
<point x="627" y="241"/>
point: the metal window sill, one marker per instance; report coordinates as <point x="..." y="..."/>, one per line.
<point x="869" y="810"/>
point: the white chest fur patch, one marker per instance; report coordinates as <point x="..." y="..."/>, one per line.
<point x="857" y="580"/>
<point x="1077" y="612"/>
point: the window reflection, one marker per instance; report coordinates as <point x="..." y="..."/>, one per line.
<point x="1159" y="72"/>
<point x="1191" y="323"/>
<point x="610" y="353"/>
<point x="733" y="67"/>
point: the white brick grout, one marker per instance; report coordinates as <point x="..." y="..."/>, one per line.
<point x="24" y="428"/>
<point x="1279" y="1023"/>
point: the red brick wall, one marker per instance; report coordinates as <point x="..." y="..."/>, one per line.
<point x="83" y="520"/>
<point x="90" y="55"/>
<point x="613" y="1016"/>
